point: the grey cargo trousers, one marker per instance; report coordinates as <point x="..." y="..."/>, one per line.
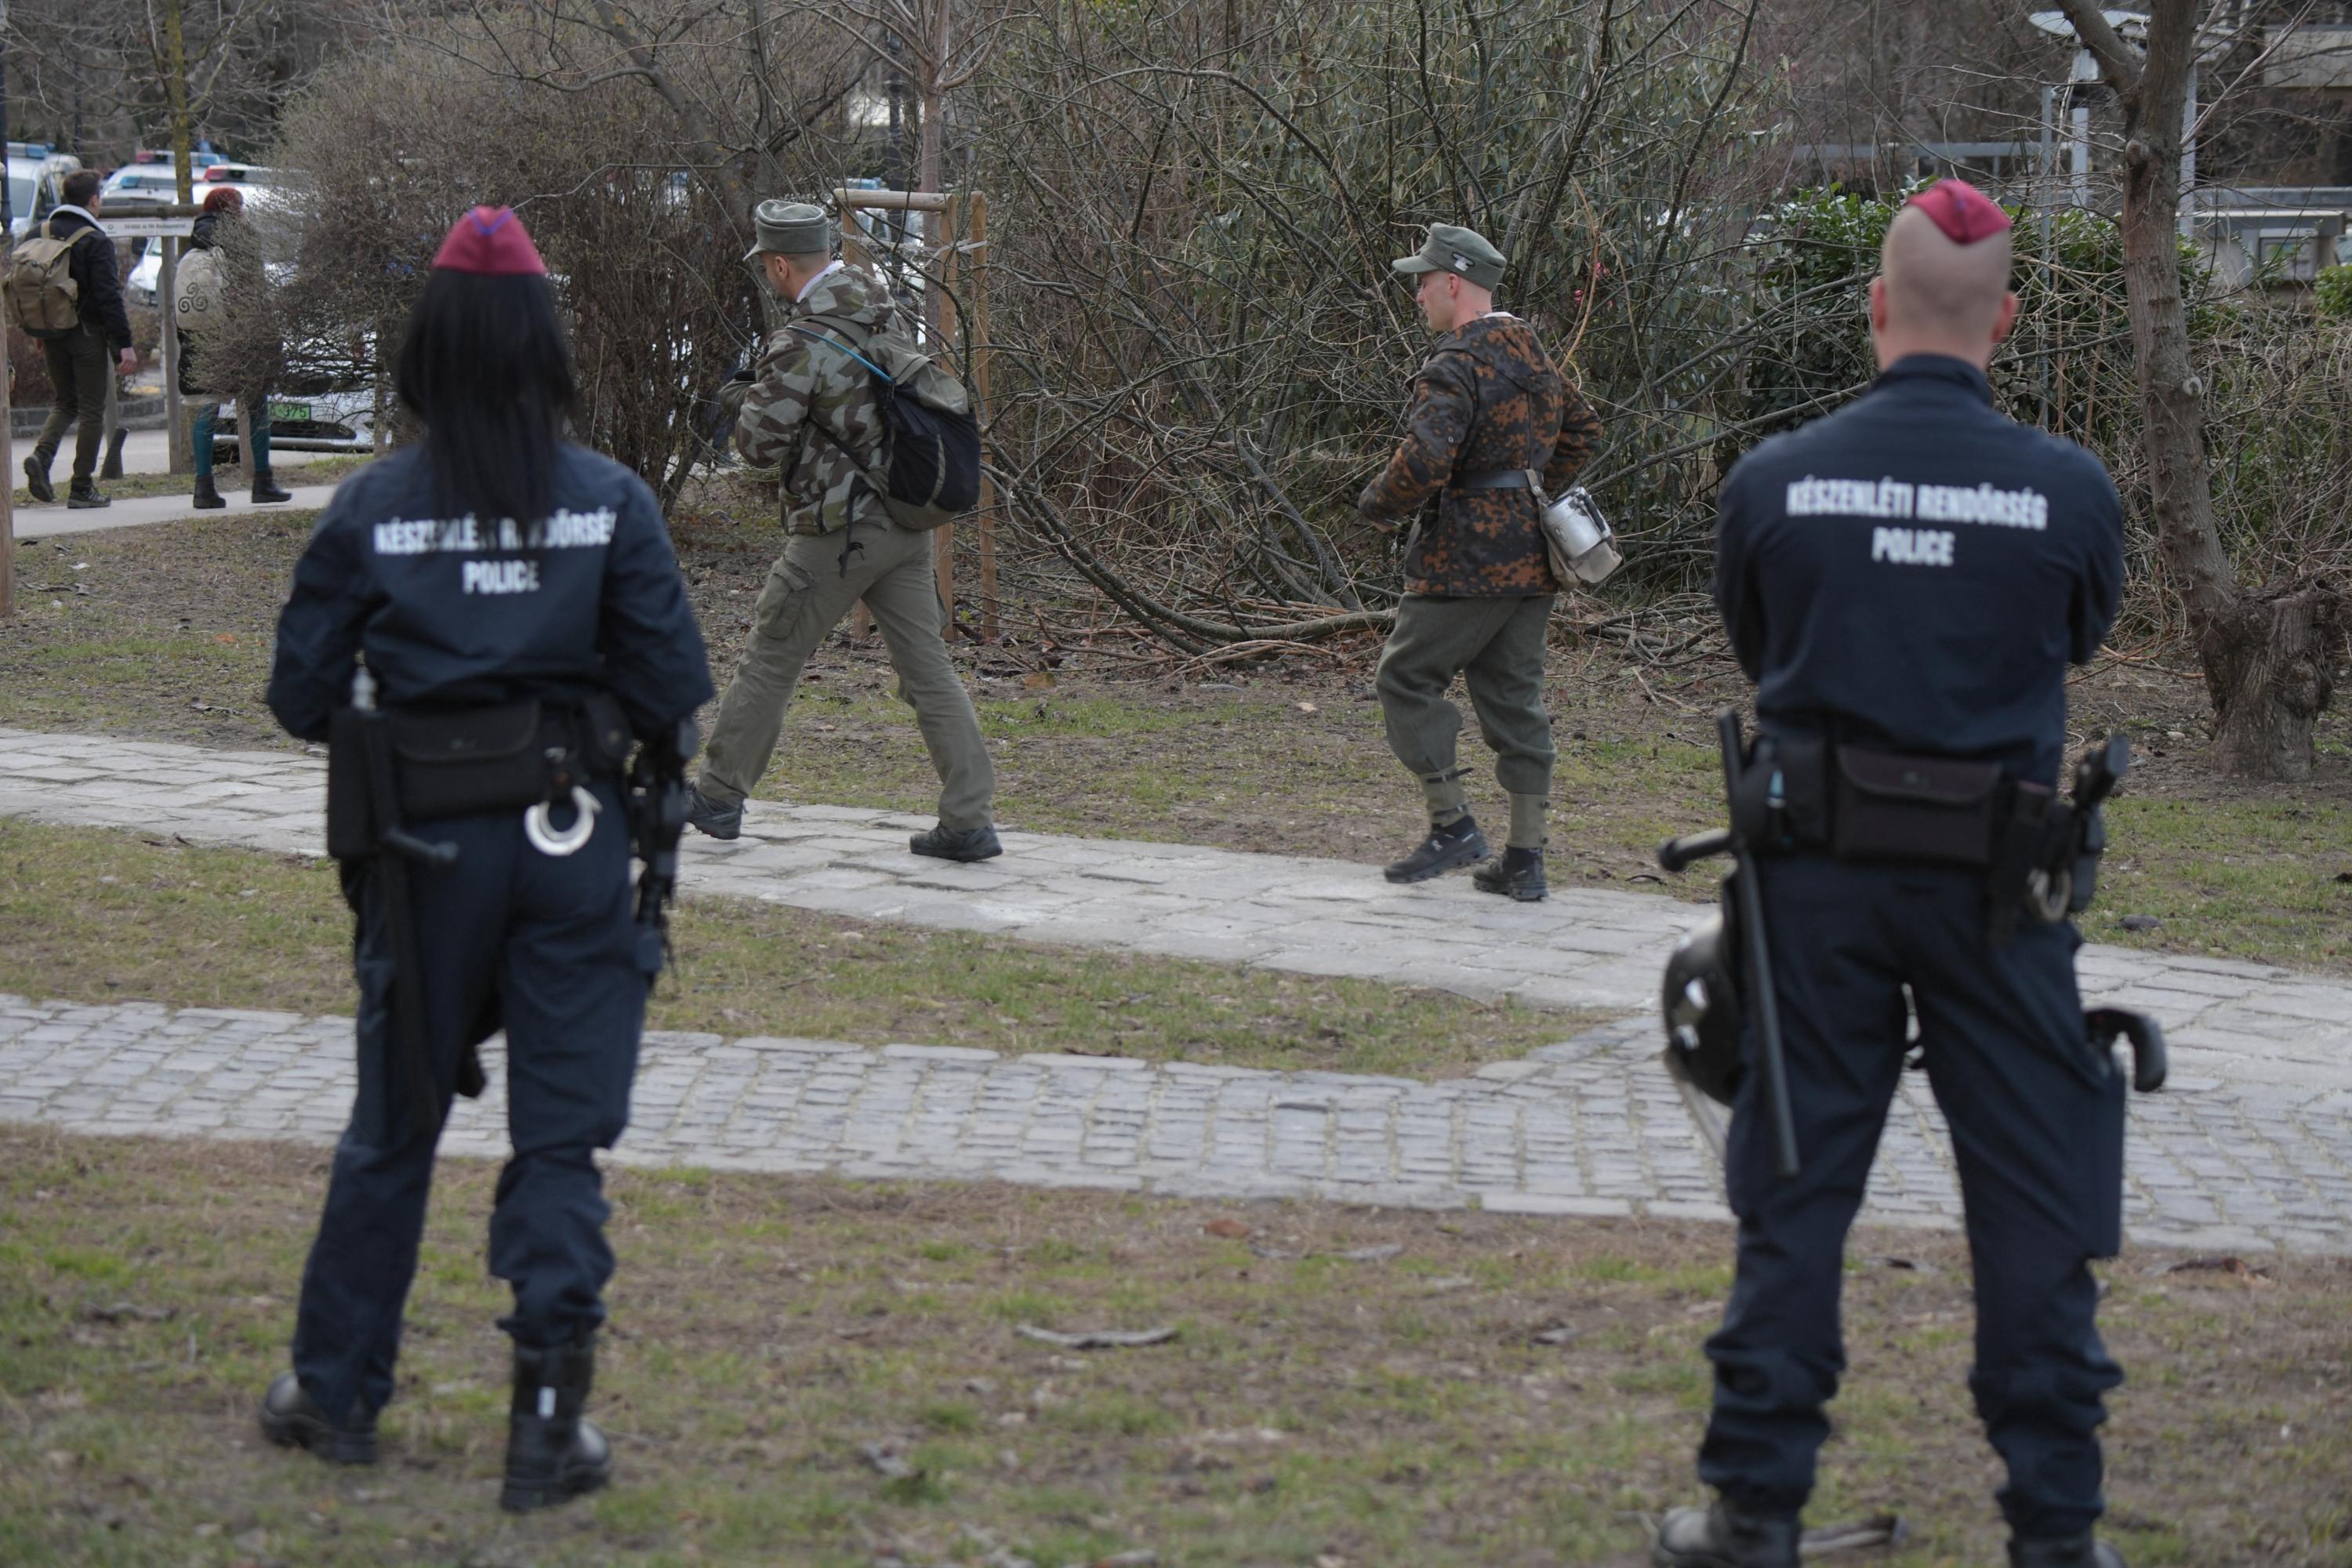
<point x="806" y="595"/>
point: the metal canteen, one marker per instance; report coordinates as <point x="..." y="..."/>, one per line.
<point x="1583" y="536"/>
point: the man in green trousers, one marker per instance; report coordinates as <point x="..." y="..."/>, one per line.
<point x="1490" y="416"/>
<point x="811" y="412"/>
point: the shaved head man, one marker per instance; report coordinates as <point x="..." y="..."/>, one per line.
<point x="1906" y="581"/>
<point x="1936" y="295"/>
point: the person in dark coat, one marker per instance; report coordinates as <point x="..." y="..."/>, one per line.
<point x="80" y="360"/>
<point x="1907" y="581"/>
<point x="237" y="267"/>
<point x="488" y="592"/>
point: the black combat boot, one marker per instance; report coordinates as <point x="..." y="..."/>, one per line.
<point x="84" y="497"/>
<point x="553" y="1455"/>
<point x="111" y="466"/>
<point x="967" y="843"/>
<point x="37" y="479"/>
<point x="264" y="487"/>
<point x="1457" y="843"/>
<point x="714" y="818"/>
<point x="291" y="1419"/>
<point x="1724" y="1537"/>
<point x="208" y="496"/>
<point x="2074" y="1551"/>
<point x="1520" y="873"/>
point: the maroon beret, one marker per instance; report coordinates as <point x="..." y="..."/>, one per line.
<point x="490" y="241"/>
<point x="1965" y="214"/>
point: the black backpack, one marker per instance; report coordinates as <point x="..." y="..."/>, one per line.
<point x="928" y="471"/>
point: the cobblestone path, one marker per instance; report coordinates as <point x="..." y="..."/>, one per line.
<point x="2252" y="1144"/>
<point x="1581" y="949"/>
<point x="1587" y="1127"/>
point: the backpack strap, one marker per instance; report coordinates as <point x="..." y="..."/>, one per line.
<point x="813" y="328"/>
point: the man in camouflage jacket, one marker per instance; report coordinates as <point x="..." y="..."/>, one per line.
<point x="810" y="412"/>
<point x="1489" y="414"/>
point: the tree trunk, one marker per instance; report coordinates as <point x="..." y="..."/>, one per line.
<point x="2268" y="656"/>
<point x="175" y="91"/>
<point x="2270" y="664"/>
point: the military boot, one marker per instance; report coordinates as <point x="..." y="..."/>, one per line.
<point x="111" y="466"/>
<point x="264" y="487"/>
<point x="714" y="819"/>
<point x="1520" y="873"/>
<point x="84" y="497"/>
<point x="37" y="479"/>
<point x="2074" y="1551"/>
<point x="966" y="844"/>
<point x="1451" y="843"/>
<point x="553" y="1455"/>
<point x="208" y="496"/>
<point x="291" y="1419"/>
<point x="1724" y="1537"/>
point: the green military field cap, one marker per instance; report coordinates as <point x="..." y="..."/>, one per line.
<point x="791" y="229"/>
<point x="1453" y="248"/>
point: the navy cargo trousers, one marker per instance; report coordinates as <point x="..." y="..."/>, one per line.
<point x="544" y="945"/>
<point x="2037" y="1132"/>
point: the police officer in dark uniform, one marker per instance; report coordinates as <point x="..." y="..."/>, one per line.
<point x="482" y="623"/>
<point x="1906" y="581"/>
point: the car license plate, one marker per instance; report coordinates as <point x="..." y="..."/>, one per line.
<point x="289" y="411"/>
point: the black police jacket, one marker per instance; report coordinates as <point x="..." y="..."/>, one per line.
<point x="1916" y="571"/>
<point x="468" y="611"/>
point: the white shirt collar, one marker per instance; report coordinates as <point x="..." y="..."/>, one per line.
<point x="85" y="215"/>
<point x="831" y="267"/>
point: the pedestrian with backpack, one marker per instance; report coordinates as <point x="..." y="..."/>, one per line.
<point x="217" y="295"/>
<point x="875" y="446"/>
<point x="64" y="291"/>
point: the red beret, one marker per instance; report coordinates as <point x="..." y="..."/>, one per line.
<point x="1965" y="214"/>
<point x="490" y="241"/>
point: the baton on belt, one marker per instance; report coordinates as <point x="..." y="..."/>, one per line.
<point x="395" y="848"/>
<point x="1756" y="948"/>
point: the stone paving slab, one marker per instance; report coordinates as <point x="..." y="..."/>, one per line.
<point x="1584" y="949"/>
<point x="1588" y="1127"/>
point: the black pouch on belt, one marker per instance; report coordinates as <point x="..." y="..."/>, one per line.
<point x="456" y="761"/>
<point x="1885" y="806"/>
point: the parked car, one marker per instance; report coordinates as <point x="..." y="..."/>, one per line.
<point x="151" y="179"/>
<point x="325" y="402"/>
<point x="35" y="173"/>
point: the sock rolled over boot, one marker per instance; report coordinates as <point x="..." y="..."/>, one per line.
<point x="1519" y="873"/>
<point x="553" y="1455"/>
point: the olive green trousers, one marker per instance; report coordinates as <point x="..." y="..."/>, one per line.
<point x="1496" y="646"/>
<point x="807" y="594"/>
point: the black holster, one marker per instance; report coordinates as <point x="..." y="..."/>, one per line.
<point x="449" y="761"/>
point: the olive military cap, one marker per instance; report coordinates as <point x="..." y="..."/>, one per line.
<point x="791" y="229"/>
<point x="1453" y="248"/>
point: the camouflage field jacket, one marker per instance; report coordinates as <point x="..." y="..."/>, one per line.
<point x="1488" y="398"/>
<point x="807" y="380"/>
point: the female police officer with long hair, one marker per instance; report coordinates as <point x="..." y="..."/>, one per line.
<point x="480" y="623"/>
